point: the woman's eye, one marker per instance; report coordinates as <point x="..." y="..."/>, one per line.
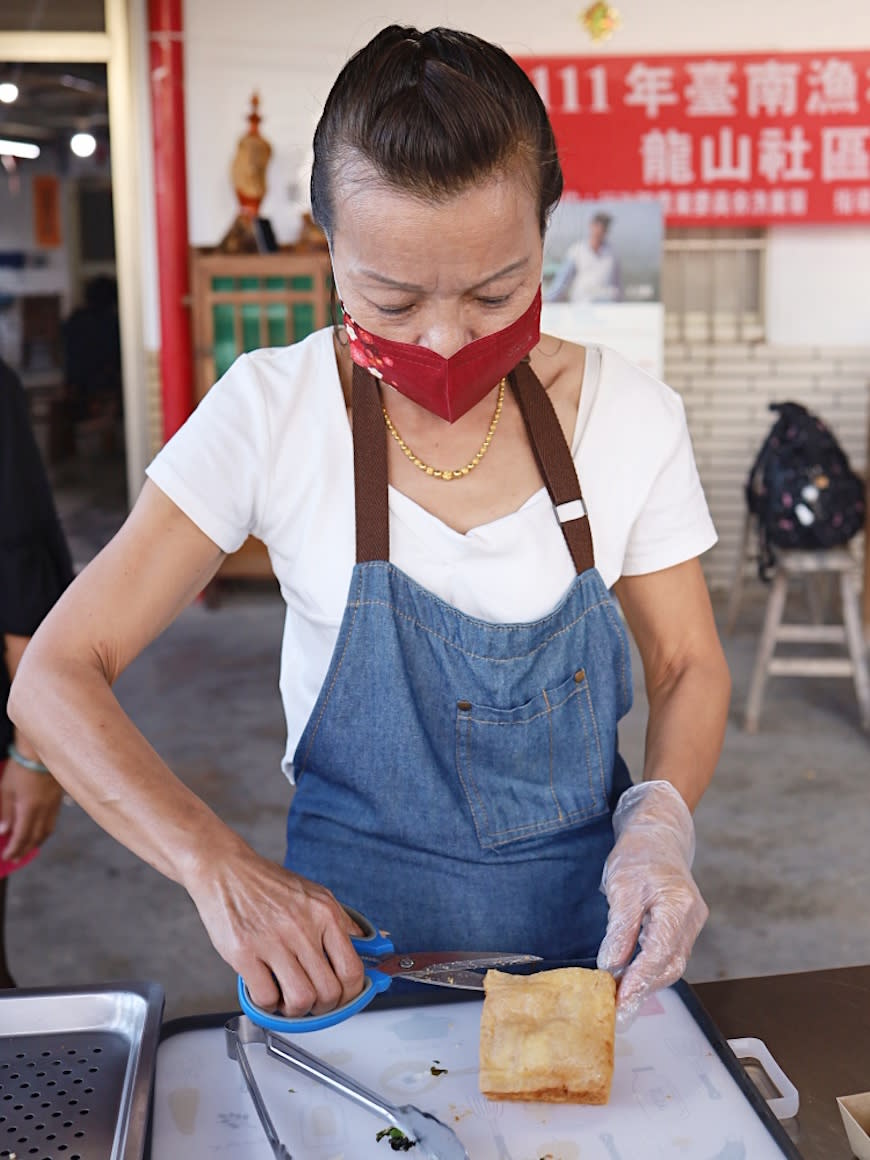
<point x="395" y="311"/>
<point x="489" y="301"/>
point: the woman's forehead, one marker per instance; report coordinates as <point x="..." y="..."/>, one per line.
<point x="370" y="209"/>
<point x="378" y="225"/>
<point x="358" y="186"/>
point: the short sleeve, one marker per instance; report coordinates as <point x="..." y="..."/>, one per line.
<point x="216" y="467"/>
<point x="674" y="524"/>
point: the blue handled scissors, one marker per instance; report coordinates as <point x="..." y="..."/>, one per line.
<point x="460" y="969"/>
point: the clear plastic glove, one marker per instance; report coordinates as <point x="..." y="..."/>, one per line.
<point x="651" y="893"/>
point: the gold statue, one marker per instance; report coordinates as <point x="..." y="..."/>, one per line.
<point x="250" y="163"/>
<point x="248" y="172"/>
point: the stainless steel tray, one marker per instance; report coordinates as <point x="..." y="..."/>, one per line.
<point x="76" y="1071"/>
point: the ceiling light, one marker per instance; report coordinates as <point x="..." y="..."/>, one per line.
<point x="8" y="92"/>
<point x="83" y="144"/>
<point x="18" y="149"/>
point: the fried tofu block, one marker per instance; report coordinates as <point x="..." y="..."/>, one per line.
<point x="548" y="1036"/>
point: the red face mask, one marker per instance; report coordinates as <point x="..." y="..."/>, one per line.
<point x="446" y="386"/>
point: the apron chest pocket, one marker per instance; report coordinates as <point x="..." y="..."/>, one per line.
<point x="535" y="769"/>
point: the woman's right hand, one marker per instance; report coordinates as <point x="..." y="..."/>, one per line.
<point x="286" y="936"/>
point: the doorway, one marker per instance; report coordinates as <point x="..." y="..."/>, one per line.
<point x="73" y="245"/>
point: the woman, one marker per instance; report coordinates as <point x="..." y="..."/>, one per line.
<point x="35" y="568"/>
<point x="452" y="698"/>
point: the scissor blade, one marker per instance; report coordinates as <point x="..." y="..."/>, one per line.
<point x="449" y="968"/>
<point x="461" y="980"/>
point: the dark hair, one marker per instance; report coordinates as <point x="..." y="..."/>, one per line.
<point x="101" y="292"/>
<point x="433" y="112"/>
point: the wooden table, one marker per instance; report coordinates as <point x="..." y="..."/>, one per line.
<point x="817" y="1026"/>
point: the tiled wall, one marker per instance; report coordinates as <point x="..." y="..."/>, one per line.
<point x="727" y="387"/>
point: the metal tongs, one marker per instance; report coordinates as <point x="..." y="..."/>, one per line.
<point x="435" y="1140"/>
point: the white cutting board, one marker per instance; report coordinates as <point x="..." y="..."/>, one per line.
<point x="671" y="1095"/>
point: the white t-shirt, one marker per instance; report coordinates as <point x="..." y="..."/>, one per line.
<point x="268" y="452"/>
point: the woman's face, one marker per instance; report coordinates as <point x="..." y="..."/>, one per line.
<point x="437" y="274"/>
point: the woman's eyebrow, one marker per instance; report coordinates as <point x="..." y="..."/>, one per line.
<point x="510" y="269"/>
<point x="412" y="287"/>
<point x="391" y="282"/>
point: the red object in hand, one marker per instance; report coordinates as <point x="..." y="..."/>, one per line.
<point x="7" y="867"/>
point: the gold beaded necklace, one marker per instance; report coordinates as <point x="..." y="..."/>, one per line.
<point x="436" y="472"/>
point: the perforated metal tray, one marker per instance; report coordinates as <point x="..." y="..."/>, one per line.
<point x="76" y="1071"/>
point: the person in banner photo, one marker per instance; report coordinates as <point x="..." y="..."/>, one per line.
<point x="455" y="657"/>
<point x="589" y="271"/>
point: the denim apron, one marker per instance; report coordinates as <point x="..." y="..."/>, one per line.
<point x="456" y="778"/>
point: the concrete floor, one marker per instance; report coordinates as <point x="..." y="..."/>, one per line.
<point x="782" y="832"/>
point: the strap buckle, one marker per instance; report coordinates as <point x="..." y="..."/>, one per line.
<point x="573" y="509"/>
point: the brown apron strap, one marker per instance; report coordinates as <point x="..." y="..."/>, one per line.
<point x="552" y="454"/>
<point x="369" y="470"/>
<point x="555" y="463"/>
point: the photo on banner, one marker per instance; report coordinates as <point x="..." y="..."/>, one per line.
<point x="602" y="276"/>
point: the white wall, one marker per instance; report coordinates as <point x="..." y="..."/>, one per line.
<point x="290" y="52"/>
<point x="818" y="286"/>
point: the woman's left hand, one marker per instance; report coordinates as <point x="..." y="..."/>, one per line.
<point x="29" y="805"/>
<point x="651" y="893"/>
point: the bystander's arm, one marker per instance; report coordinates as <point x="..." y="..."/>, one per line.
<point x="30" y="797"/>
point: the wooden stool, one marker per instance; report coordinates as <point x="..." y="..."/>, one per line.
<point x="791" y="564"/>
<point x="747" y="554"/>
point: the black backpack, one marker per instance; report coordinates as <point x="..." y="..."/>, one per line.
<point x="801" y="488"/>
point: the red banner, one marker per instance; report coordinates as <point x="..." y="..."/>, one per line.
<point x="743" y="139"/>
